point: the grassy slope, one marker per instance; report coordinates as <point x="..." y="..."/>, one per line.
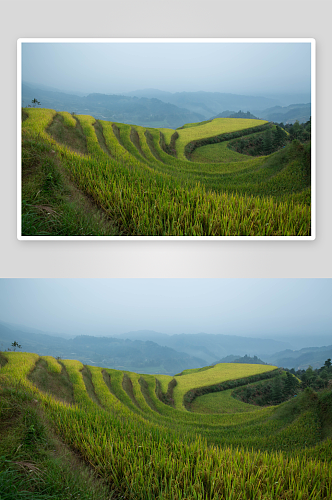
<point x="216" y="153"/>
<point x="147" y="459"/>
<point x="220" y="402"/>
<point x="216" y="374"/>
<point x="168" y="132"/>
<point x="34" y="462"/>
<point x="51" y="203"/>
<point x="147" y="196"/>
<point x="215" y="127"/>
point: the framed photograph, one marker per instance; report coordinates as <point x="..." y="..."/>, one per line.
<point x="131" y="139"/>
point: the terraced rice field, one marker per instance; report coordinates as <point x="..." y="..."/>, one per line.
<point x="145" y="448"/>
<point x="220" y="402"/>
<point x="211" y="129"/>
<point x="141" y="179"/>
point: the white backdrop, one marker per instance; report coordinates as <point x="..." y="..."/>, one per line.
<point x="159" y="18"/>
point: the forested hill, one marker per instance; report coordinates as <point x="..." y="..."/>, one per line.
<point x="233" y="114"/>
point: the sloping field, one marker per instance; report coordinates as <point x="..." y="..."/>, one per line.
<point x="215" y="127"/>
<point x="131" y="174"/>
<point x="220" y="402"/>
<point x="216" y="374"/>
<point x="216" y="153"/>
<point x="118" y="426"/>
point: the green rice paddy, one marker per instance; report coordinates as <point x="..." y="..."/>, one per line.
<point x="129" y="174"/>
<point x="144" y="448"/>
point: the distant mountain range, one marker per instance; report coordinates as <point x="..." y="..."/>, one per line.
<point x="115" y="108"/>
<point x="287" y="114"/>
<point x="156" y="108"/>
<point x="210" y="347"/>
<point x="146" y="351"/>
<point x="301" y="359"/>
<point x="208" y="104"/>
<point x="277" y="114"/>
<point x="137" y="355"/>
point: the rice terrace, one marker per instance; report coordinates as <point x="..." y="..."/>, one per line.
<point x="158" y="436"/>
<point x="83" y="176"/>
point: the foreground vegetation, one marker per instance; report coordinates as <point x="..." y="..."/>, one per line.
<point x="143" y="448"/>
<point x="140" y="182"/>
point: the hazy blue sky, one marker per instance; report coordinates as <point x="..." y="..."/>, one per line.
<point x="247" y="68"/>
<point x="112" y="306"/>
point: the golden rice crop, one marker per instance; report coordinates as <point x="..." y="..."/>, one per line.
<point x="19" y="365"/>
<point x="220" y="402"/>
<point x="219" y="373"/>
<point x="148" y="197"/>
<point x="210" y="129"/>
<point x="145" y="460"/>
<point x="52" y="364"/>
<point x="68" y="119"/>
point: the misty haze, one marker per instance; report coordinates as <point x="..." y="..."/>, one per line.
<point x="168" y="325"/>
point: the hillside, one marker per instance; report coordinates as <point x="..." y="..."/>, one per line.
<point x="121" y="180"/>
<point x="233" y="114"/>
<point x="137" y="436"/>
<point x="95" y="177"/>
<point x="242" y="359"/>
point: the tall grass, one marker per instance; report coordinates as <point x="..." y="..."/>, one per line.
<point x="171" y="197"/>
<point x="52" y="364"/>
<point x="142" y="459"/>
<point x="212" y="128"/>
<point x="219" y="373"/>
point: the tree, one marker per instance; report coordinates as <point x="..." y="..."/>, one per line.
<point x="267" y="142"/>
<point x="328" y="363"/>
<point x="34" y="103"/>
<point x="295" y="130"/>
<point x="16" y="344"/>
<point x="276" y="391"/>
<point x="307" y="125"/>
<point x="291" y="384"/>
<point x="309" y="376"/>
<point x="279" y="137"/>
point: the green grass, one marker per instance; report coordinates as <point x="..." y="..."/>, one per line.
<point x="141" y="453"/>
<point x="50" y="381"/>
<point x="34" y="463"/>
<point x="67" y="131"/>
<point x="194" y="370"/>
<point x="212" y="128"/>
<point x="195" y="124"/>
<point x="217" y="374"/>
<point x="168" y="132"/>
<point x="51" y="203"/>
<point x="220" y="402"/>
<point x="88" y="177"/>
<point x="216" y="153"/>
